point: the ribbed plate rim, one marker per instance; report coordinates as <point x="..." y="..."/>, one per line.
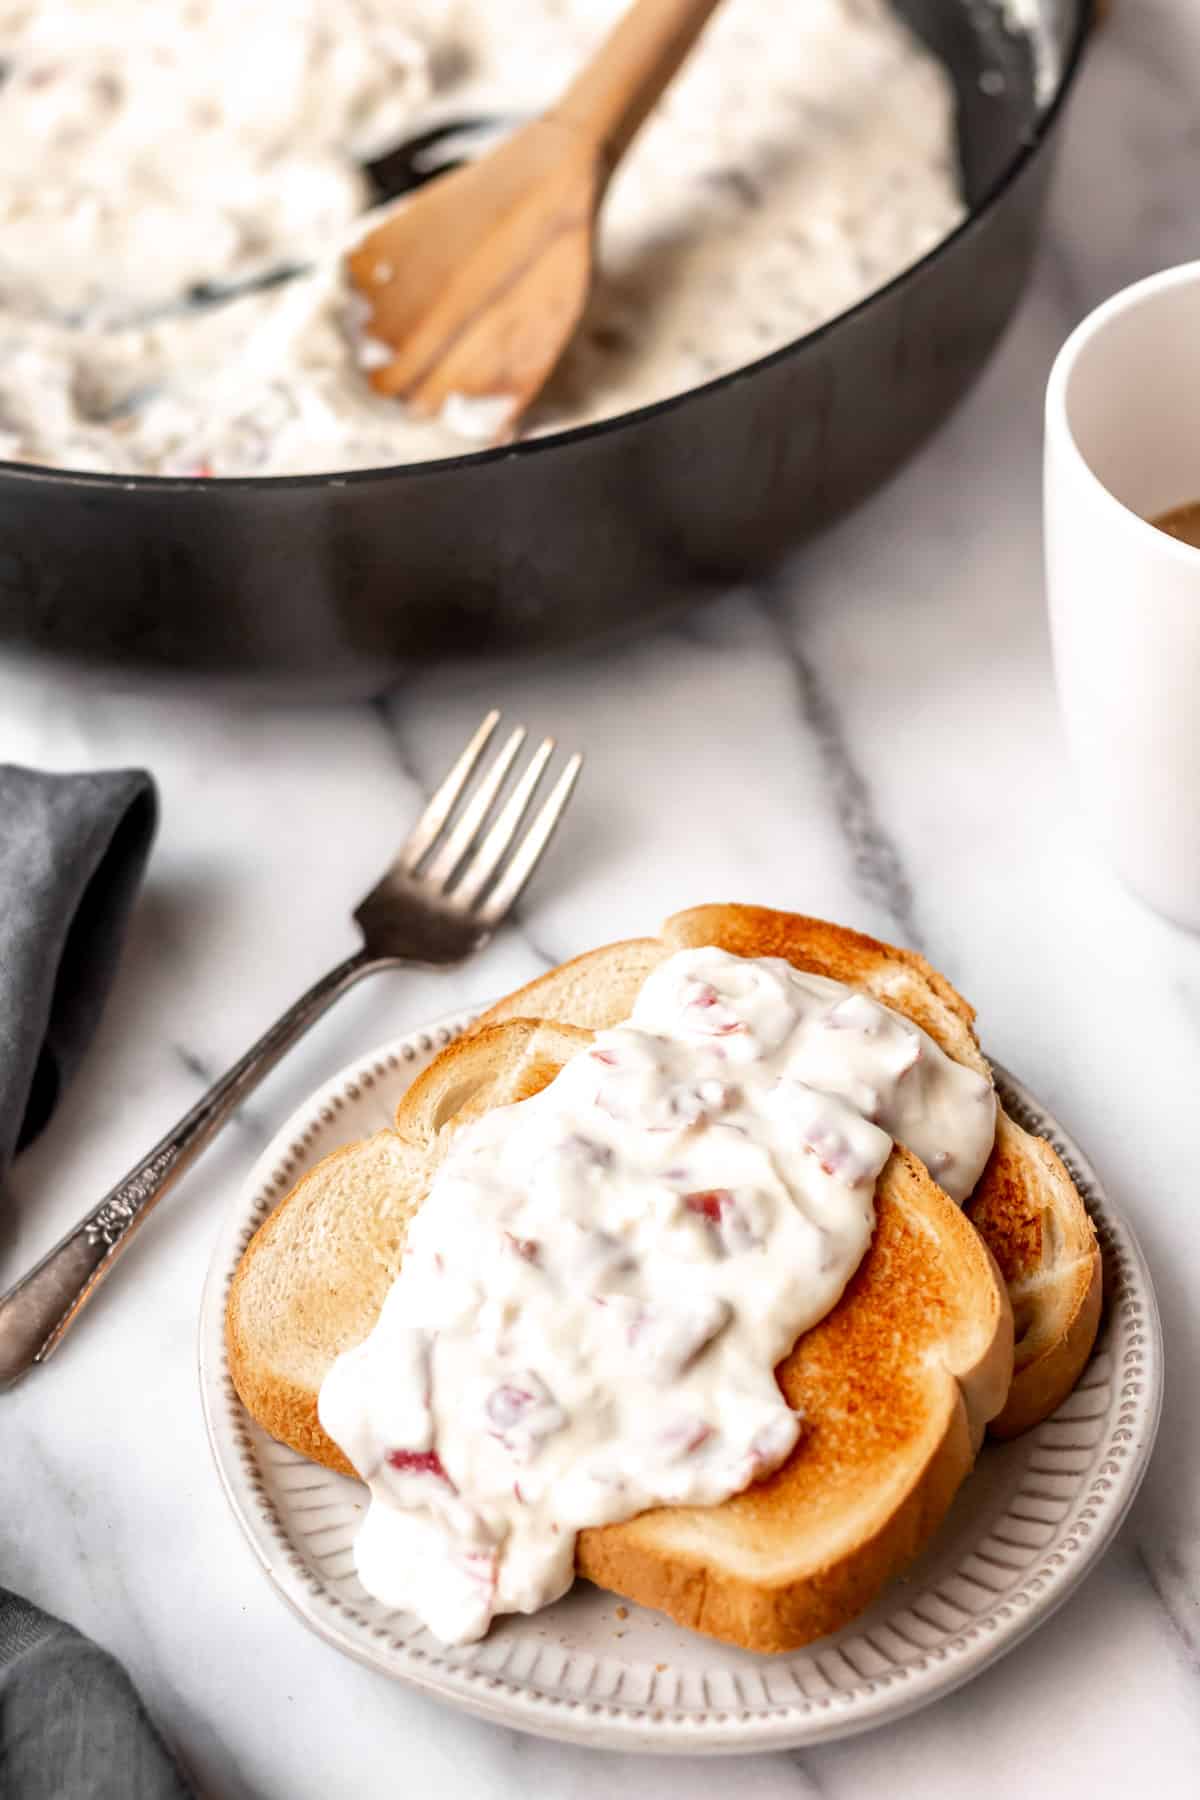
<point x="1130" y="1338"/>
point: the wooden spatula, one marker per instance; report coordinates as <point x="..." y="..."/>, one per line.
<point x="477" y="284"/>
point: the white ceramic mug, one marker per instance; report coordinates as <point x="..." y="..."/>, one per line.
<point x="1123" y="447"/>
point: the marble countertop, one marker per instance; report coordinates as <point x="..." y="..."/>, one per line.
<point x="872" y="736"/>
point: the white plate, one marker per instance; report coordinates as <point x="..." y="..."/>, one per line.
<point x="1026" y="1527"/>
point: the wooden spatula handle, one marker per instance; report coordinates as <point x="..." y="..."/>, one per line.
<point x="613" y="95"/>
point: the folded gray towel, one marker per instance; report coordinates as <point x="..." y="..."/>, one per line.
<point x="72" y="852"/>
<point x="71" y="1724"/>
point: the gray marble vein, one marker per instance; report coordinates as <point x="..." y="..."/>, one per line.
<point x="246" y="1118"/>
<point x="1176" y="1591"/>
<point x="388" y="711"/>
<point x="517" y="923"/>
<point x="194" y="1064"/>
<point x="810" y="1784"/>
<point x="877" y="869"/>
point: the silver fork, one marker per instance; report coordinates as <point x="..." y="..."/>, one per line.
<point x="456" y="877"/>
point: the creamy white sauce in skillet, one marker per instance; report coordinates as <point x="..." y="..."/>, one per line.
<point x="596" y="1291"/>
<point x="148" y="145"/>
<point x="804" y="157"/>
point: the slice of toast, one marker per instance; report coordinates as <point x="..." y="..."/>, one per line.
<point x="896" y="1384"/>
<point x="1030" y="1215"/>
<point x="1025" y="1204"/>
<point x="317" y="1271"/>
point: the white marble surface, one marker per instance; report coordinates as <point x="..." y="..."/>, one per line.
<point x="873" y="737"/>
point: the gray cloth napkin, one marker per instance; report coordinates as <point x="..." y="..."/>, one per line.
<point x="71" y="1724"/>
<point x="72" y="852"/>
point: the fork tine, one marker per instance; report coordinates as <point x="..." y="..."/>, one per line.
<point x="502" y="836"/>
<point x="512" y="883"/>
<point x="428" y="827"/>
<point x="468" y="828"/>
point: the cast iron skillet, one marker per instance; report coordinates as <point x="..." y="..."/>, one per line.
<point x="332" y="583"/>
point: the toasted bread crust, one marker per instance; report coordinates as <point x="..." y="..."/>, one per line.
<point x="342" y="1297"/>
<point x="283" y="1406"/>
<point x="493" y="1065"/>
<point x="598" y="989"/>
<point x="887" y="1437"/>
<point x="594" y="990"/>
<point x="1026" y="1196"/>
<point x="896" y="1385"/>
<point x="885" y="1443"/>
<point x="826" y="949"/>
<point x="1050" y="1261"/>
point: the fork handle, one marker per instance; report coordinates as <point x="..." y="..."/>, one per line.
<point x="37" y="1313"/>
<point x="611" y="97"/>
